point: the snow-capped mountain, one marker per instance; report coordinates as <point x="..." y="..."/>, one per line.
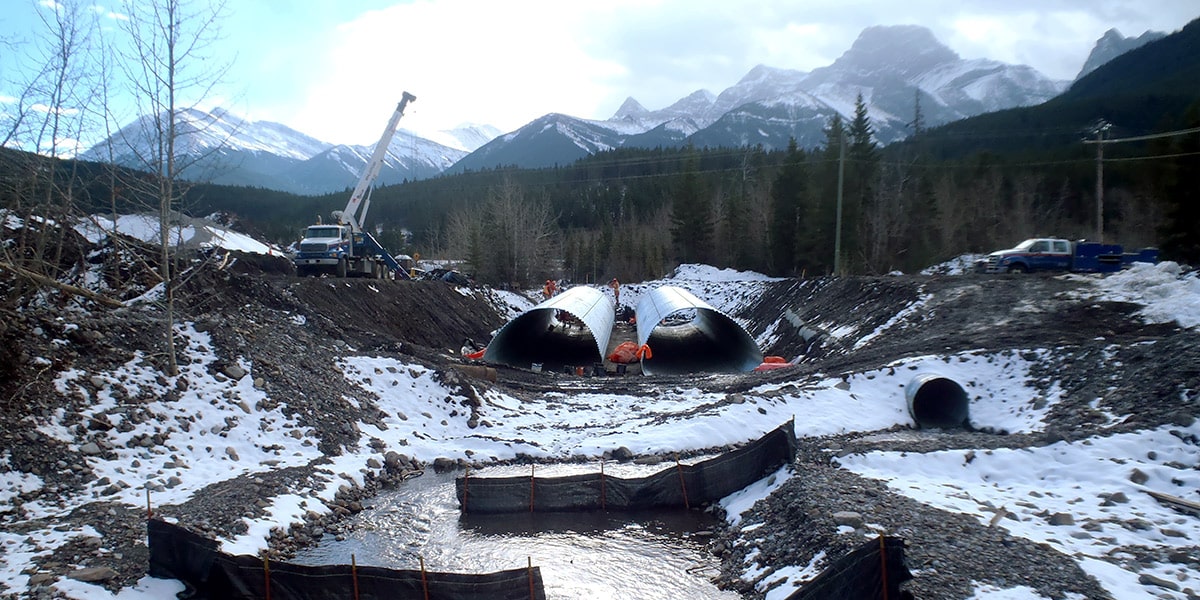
<point x="1111" y="45"/>
<point x="890" y="66"/>
<point x="223" y="148"/>
<point x="467" y="137"/>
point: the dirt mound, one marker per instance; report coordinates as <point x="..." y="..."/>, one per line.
<point x="365" y="313"/>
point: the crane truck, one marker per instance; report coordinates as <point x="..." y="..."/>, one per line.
<point x="343" y="248"/>
<point x="1053" y="254"/>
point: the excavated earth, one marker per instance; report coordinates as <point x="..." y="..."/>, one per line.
<point x="295" y="329"/>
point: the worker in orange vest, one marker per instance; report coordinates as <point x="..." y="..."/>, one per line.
<point x="550" y="289"/>
<point x="616" y="288"/>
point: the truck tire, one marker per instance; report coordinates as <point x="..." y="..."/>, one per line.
<point x="1018" y="268"/>
<point x="342" y="267"/>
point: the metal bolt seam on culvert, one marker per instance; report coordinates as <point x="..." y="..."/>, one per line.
<point x="539" y="336"/>
<point x="709" y="342"/>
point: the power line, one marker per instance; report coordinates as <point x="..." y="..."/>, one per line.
<point x="1144" y="137"/>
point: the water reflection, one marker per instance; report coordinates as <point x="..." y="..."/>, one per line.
<point x="639" y="556"/>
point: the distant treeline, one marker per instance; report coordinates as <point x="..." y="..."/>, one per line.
<point x="636" y="213"/>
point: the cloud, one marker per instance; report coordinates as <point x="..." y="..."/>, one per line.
<point x="507" y="63"/>
<point x="499" y="62"/>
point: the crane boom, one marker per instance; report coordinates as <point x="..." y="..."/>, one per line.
<point x="361" y="198"/>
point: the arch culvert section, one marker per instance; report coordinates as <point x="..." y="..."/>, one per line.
<point x="568" y="330"/>
<point x="686" y="335"/>
<point x="936" y="402"/>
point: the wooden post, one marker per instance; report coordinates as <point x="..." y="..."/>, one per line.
<point x="531" y="591"/>
<point x="531" y="467"/>
<point x="883" y="565"/>
<point x="354" y="575"/>
<point x="267" y="574"/>
<point x="466" y="487"/>
<point x="682" y="483"/>
<point x="603" y="499"/>
<point x="424" y="580"/>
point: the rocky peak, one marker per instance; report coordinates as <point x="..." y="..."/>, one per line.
<point x="903" y="49"/>
<point x="630" y="109"/>
<point x="1111" y="45"/>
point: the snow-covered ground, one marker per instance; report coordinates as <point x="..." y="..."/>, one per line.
<point x="230" y="433"/>
<point x="187" y="232"/>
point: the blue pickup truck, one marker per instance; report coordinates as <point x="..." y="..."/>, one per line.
<point x="1051" y="254"/>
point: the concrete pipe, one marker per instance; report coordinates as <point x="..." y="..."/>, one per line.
<point x="686" y="335"/>
<point x="568" y="330"/>
<point x="936" y="402"/>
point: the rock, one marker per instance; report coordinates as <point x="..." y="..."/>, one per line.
<point x="648" y="460"/>
<point x="234" y="372"/>
<point x="231" y="453"/>
<point x="92" y="574"/>
<point x="848" y="519"/>
<point x="442" y="464"/>
<point x="1061" y="519"/>
<point x="1118" y="498"/>
<point x="41" y="579"/>
<point x="1182" y="557"/>
<point x="622" y="453"/>
<point x="90" y="449"/>
<point x="1138" y="477"/>
<point x="374" y="463"/>
<point x="1148" y="579"/>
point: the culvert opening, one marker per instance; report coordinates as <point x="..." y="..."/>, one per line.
<point x="936" y="402"/>
<point x="569" y="329"/>
<point x="686" y="335"/>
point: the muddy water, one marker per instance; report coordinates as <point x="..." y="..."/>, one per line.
<point x="595" y="555"/>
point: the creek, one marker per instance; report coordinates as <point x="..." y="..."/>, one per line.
<point x="648" y="555"/>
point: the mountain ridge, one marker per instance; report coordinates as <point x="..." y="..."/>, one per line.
<point x="893" y="67"/>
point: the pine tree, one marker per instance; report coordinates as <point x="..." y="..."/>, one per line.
<point x="691" y="217"/>
<point x="787" y="198"/>
<point x="1180" y="230"/>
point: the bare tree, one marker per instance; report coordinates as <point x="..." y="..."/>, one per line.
<point x="511" y="239"/>
<point x="885" y="219"/>
<point x="47" y="121"/>
<point x="520" y="234"/>
<point x="170" y="68"/>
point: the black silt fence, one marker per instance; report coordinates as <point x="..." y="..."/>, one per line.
<point x="677" y="486"/>
<point x="873" y="571"/>
<point x="176" y="553"/>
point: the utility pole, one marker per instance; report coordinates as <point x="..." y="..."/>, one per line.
<point x="1101" y="128"/>
<point x="837" y="236"/>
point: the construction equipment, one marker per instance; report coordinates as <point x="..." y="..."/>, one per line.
<point x="344" y="248"/>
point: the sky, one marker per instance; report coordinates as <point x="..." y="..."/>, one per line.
<point x="578" y="421"/>
<point x="335" y="70"/>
